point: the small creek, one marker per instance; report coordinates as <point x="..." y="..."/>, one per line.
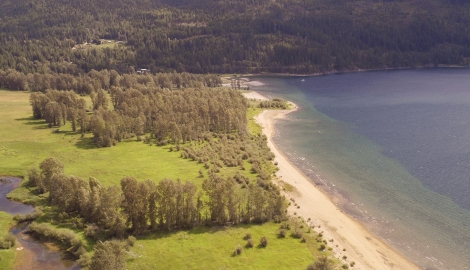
<point x="35" y="255"/>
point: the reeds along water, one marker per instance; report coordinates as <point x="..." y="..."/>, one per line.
<point x="393" y="148"/>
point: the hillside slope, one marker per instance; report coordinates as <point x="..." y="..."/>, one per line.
<point x="219" y="36"/>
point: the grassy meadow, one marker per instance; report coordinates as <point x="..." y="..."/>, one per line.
<point x="25" y="142"/>
<point x="7" y="256"/>
<point x="213" y="248"/>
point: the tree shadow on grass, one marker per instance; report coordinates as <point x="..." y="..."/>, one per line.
<point x="196" y="230"/>
<point x="86" y="143"/>
<point x="56" y="130"/>
<point x="31" y="121"/>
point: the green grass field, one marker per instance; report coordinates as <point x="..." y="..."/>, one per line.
<point x="7" y="256"/>
<point x="213" y="248"/>
<point x="25" y="142"/>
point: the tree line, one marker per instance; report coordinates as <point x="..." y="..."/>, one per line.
<point x="105" y="79"/>
<point x="168" y="116"/>
<point x="139" y="207"/>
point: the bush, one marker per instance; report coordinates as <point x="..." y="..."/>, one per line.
<point x="247" y="236"/>
<point x="321" y="264"/>
<point x="282" y="233"/>
<point x="34" y="178"/>
<point x="130" y="241"/>
<point x="297" y="233"/>
<point x="64" y="236"/>
<point x="109" y="255"/>
<point x="29" y="217"/>
<point x="92" y="231"/>
<point x="250" y="243"/>
<point x="322" y="247"/>
<point x="8" y="241"/>
<point x="263" y="241"/>
<point x="238" y="250"/>
<point x="84" y="260"/>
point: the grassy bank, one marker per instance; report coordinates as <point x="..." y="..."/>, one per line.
<point x="7" y="256"/>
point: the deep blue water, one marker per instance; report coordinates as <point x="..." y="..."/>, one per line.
<point x="395" y="146"/>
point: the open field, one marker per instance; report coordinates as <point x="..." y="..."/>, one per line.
<point x="25" y="142"/>
<point x="111" y="44"/>
<point x="212" y="248"/>
<point x="6" y="256"/>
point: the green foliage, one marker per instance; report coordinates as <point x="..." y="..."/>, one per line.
<point x="65" y="237"/>
<point x="7" y="256"/>
<point x="29" y="217"/>
<point x="8" y="241"/>
<point x="168" y="205"/>
<point x="323" y="263"/>
<point x="275" y="103"/>
<point x="130" y="241"/>
<point x="238" y="250"/>
<point x="130" y="158"/>
<point x="297" y="231"/>
<point x="230" y="37"/>
<point x="49" y="168"/>
<point x="144" y="109"/>
<point x="263" y="242"/>
<point x="109" y="255"/>
<point x="84" y="260"/>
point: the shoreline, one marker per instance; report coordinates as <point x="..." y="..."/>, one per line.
<point x="331" y="72"/>
<point x="367" y="250"/>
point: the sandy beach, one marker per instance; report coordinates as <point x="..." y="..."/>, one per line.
<point x="365" y="249"/>
<point x="254" y="95"/>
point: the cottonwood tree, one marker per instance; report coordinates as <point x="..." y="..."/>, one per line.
<point x="110" y="203"/>
<point x="49" y="167"/>
<point x="53" y="114"/>
<point x="135" y="203"/>
<point x="99" y="99"/>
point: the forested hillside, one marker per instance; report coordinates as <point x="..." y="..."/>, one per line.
<point x="237" y="36"/>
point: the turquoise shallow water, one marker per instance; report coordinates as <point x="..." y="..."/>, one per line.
<point x="393" y="147"/>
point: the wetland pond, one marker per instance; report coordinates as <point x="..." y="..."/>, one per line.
<point x="34" y="254"/>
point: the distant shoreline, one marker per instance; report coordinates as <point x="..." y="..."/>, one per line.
<point x="346" y="71"/>
<point x="364" y="248"/>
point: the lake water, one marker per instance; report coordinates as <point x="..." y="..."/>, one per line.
<point x="393" y="147"/>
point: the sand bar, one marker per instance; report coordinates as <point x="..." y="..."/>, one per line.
<point x="364" y="248"/>
<point x="254" y="95"/>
